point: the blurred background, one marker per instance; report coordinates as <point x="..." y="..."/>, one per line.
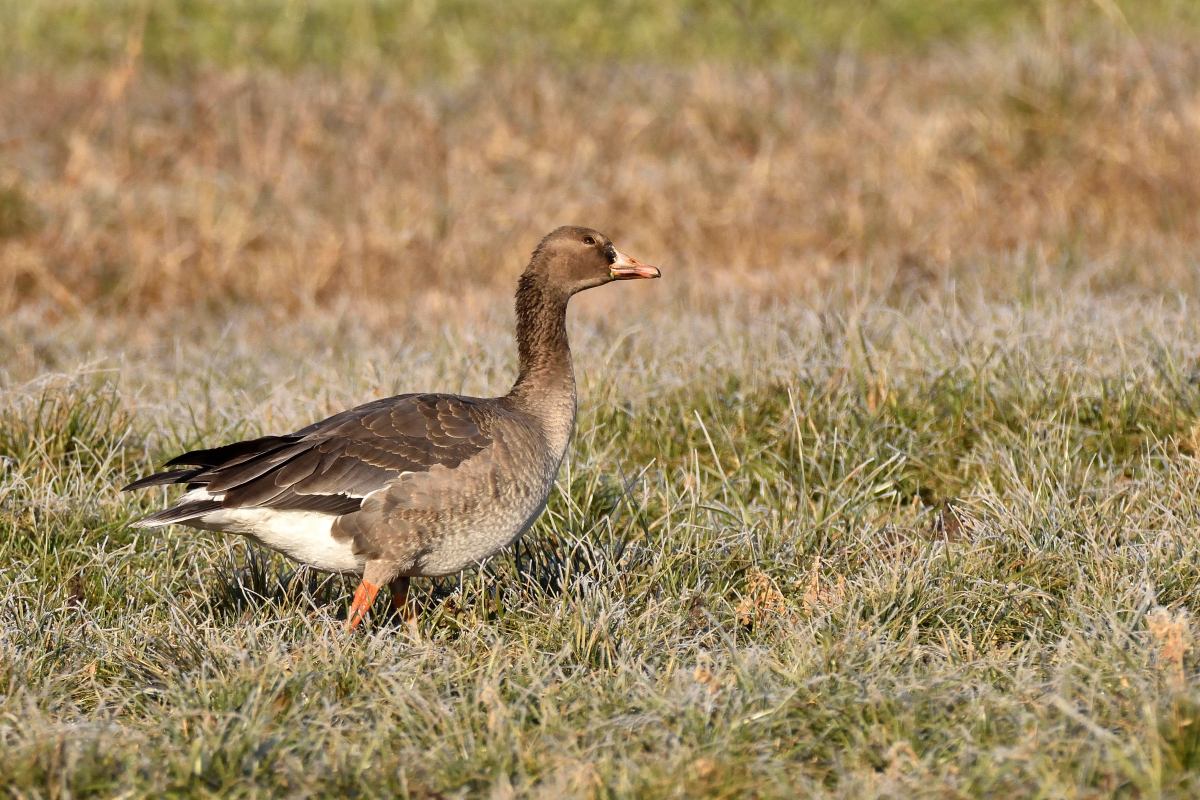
<point x="289" y="154"/>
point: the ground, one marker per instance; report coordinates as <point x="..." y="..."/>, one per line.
<point x="888" y="488"/>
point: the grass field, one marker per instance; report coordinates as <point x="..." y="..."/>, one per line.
<point x="889" y="488"/>
<point x="942" y="549"/>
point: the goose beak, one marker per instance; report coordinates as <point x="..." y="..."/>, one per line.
<point x="627" y="268"/>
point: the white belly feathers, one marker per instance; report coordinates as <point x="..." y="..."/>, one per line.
<point x="306" y="536"/>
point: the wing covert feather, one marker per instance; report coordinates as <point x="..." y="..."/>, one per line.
<point x="334" y="463"/>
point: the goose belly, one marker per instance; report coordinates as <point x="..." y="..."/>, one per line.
<point x="482" y="532"/>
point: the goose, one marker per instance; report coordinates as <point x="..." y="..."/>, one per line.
<point x="416" y="485"/>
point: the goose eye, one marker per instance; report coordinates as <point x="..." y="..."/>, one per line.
<point x="588" y="240"/>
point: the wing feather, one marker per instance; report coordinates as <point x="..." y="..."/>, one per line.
<point x="331" y="465"/>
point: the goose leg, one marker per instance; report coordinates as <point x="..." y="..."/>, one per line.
<point x="400" y="602"/>
<point x="375" y="575"/>
<point x="399" y="589"/>
<point x="364" y="595"/>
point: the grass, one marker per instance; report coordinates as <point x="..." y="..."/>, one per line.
<point x="450" y="39"/>
<point x="1011" y="163"/>
<point x="888" y="489"/>
<point x="864" y="554"/>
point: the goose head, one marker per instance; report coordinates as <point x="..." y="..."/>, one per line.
<point x="574" y="258"/>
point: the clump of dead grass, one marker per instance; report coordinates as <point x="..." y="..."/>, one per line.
<point x="1171" y="633"/>
<point x="762" y="602"/>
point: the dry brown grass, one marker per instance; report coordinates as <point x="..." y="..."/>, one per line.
<point x="1018" y="165"/>
<point x="1172" y="635"/>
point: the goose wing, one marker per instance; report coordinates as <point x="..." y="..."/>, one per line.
<point x="331" y="465"/>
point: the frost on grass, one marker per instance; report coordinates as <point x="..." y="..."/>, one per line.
<point x="769" y="577"/>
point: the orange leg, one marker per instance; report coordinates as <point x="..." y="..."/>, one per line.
<point x="399" y="589"/>
<point x="364" y="595"/>
<point x="400" y="602"/>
